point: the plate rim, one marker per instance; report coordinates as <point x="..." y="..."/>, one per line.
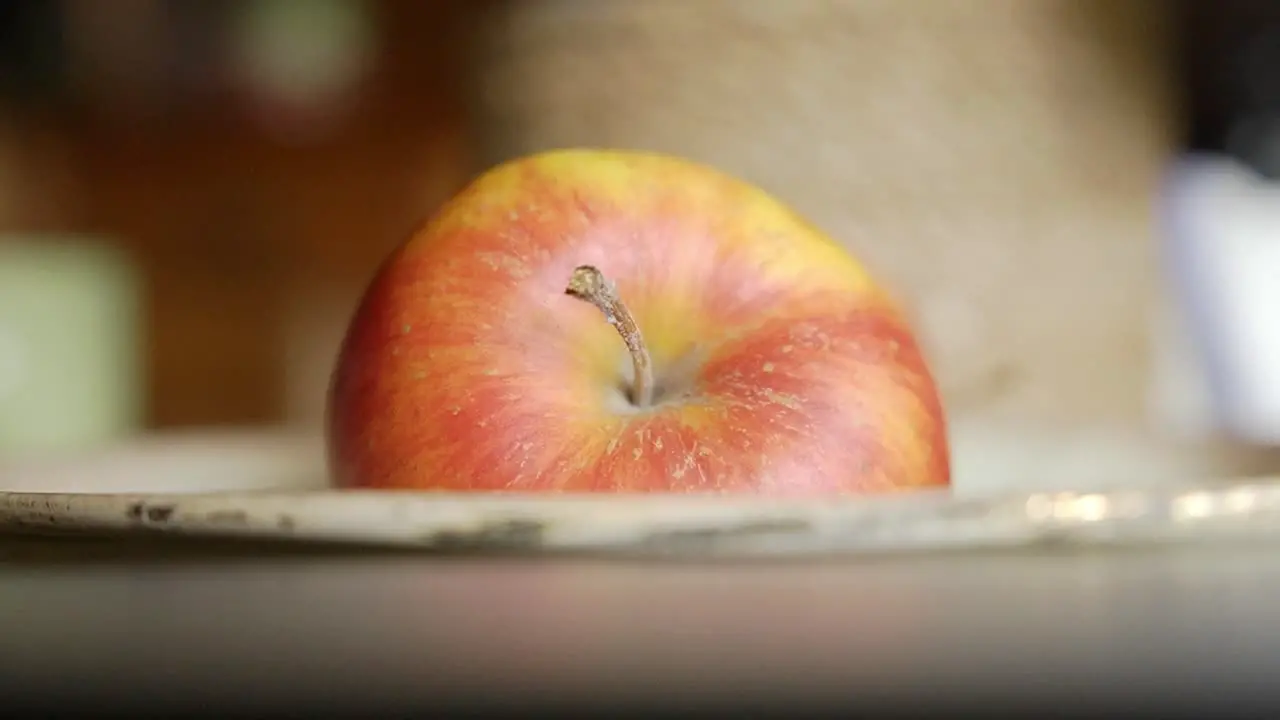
<point x="696" y="524"/>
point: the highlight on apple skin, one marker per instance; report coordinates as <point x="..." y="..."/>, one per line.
<point x="583" y="321"/>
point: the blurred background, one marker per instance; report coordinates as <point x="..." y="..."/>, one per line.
<point x="1069" y="196"/>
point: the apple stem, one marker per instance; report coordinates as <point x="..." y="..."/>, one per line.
<point x="590" y="285"/>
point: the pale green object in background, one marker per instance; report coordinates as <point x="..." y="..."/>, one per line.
<point x="70" y="346"/>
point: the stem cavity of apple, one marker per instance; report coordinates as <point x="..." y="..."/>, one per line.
<point x="590" y="285"/>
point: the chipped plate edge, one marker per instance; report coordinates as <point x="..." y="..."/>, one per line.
<point x="666" y="525"/>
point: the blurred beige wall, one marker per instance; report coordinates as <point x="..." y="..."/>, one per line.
<point x="993" y="161"/>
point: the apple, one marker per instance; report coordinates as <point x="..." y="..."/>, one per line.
<point x="581" y="321"/>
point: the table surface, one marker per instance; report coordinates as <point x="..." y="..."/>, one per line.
<point x="242" y="627"/>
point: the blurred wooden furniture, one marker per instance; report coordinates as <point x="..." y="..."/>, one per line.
<point x="233" y="229"/>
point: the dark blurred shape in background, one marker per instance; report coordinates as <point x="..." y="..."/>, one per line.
<point x="1230" y="65"/>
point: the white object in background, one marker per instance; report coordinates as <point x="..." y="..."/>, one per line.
<point x="70" y="360"/>
<point x="1180" y="401"/>
<point x="1223" y="249"/>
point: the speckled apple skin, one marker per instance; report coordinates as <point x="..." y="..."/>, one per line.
<point x="467" y="368"/>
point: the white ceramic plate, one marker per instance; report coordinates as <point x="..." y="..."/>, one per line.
<point x="181" y="462"/>
<point x="271" y="487"/>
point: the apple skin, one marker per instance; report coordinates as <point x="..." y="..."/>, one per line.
<point x="467" y="368"/>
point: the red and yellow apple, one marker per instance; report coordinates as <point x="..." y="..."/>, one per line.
<point x="614" y="321"/>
